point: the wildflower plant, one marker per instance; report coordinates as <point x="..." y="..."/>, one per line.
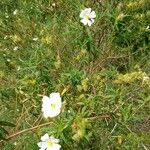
<point x="95" y="54"/>
<point x="88" y="16"/>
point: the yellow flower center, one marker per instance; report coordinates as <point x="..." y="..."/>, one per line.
<point x="53" y="105"/>
<point x="88" y="17"/>
<point x="50" y="143"/>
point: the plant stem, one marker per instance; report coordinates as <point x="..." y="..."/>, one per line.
<point x="26" y="130"/>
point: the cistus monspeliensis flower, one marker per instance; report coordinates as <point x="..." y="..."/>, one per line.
<point x="51" y="106"/>
<point x="49" y="143"/>
<point x="87" y="16"/>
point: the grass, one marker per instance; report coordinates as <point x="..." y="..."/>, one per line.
<point x="99" y="70"/>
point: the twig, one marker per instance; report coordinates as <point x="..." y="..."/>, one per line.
<point x="114" y="128"/>
<point x="26" y="130"/>
<point x="144" y="146"/>
<point x="38" y="120"/>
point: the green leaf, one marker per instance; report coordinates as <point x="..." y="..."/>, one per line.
<point x="5" y="123"/>
<point x="3" y="130"/>
<point x="1" y="137"/>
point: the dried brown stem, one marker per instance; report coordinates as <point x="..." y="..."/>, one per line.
<point x="26" y="130"/>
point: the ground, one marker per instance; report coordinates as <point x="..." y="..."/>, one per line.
<point x="102" y="73"/>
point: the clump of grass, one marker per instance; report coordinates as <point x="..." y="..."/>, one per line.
<point x="102" y="73"/>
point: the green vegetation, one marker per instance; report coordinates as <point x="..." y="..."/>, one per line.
<point x="102" y="73"/>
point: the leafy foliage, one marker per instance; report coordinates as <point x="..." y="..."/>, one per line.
<point x="3" y="131"/>
<point x="102" y="73"/>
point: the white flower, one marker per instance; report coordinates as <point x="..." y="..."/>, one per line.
<point x="8" y="60"/>
<point x="5" y="37"/>
<point x="53" y="4"/>
<point x="35" y="39"/>
<point x="148" y="27"/>
<point x="15" y="12"/>
<point x="49" y="143"/>
<point x="51" y="106"/>
<point x="18" y="68"/>
<point x="15" y="48"/>
<point x="15" y="143"/>
<point x="87" y="16"/>
<point x="146" y="78"/>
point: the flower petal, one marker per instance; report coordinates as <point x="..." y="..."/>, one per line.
<point x="55" y="97"/>
<point x="92" y="20"/>
<point x="89" y="22"/>
<point x="45" y="99"/>
<point x="54" y="139"/>
<point x="42" y="148"/>
<point x="42" y="145"/>
<point x="45" y="137"/>
<point x="53" y="113"/>
<point x="92" y="14"/>
<point x="45" y="115"/>
<point x="55" y="147"/>
<point x="85" y="12"/>
<point x="84" y="21"/>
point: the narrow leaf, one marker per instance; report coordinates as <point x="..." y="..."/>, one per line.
<point x="5" y="123"/>
<point x="1" y="137"/>
<point x="3" y="130"/>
